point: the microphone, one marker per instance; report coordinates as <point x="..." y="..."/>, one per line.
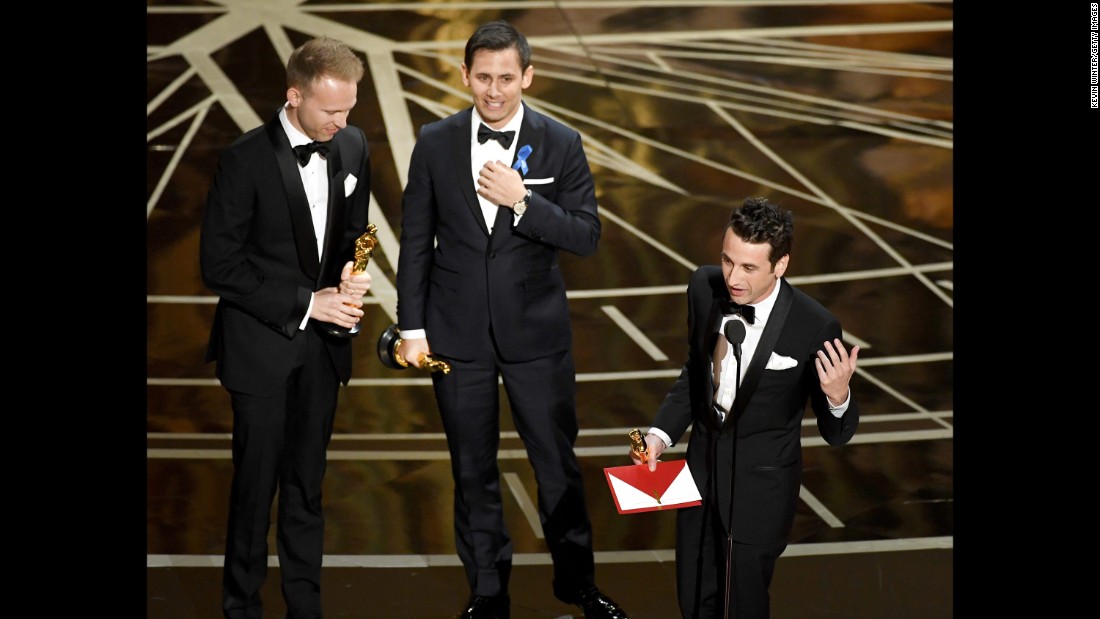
<point x="735" y="334"/>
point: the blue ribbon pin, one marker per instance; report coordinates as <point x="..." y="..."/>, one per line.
<point x="521" y="159"/>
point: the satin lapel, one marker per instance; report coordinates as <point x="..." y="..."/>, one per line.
<point x="305" y="240"/>
<point x="532" y="132"/>
<point x="460" y="155"/>
<point x="710" y="338"/>
<point x="763" y="351"/>
<point x="337" y="212"/>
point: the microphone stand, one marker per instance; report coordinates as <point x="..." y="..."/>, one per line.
<point x="733" y="467"/>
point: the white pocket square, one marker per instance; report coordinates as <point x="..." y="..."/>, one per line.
<point x="349" y="184"/>
<point x="538" y="181"/>
<point x="779" y="362"/>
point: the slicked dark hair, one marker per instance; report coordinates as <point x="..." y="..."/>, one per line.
<point x="760" y="221"/>
<point x="496" y="36"/>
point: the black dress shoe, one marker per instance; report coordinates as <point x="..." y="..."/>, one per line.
<point x="487" y="607"/>
<point x="598" y="606"/>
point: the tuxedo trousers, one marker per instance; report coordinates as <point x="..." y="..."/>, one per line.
<point x="542" y="397"/>
<point x="279" y="444"/>
<point x="701" y="573"/>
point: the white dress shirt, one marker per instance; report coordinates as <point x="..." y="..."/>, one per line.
<point x="315" y="181"/>
<point x="727" y="385"/>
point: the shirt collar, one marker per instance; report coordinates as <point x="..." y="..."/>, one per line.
<point x="764" y="308"/>
<point x="513" y="125"/>
<point x="297" y="138"/>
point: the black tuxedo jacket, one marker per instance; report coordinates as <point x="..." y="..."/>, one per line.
<point x="458" y="281"/>
<point x="763" y="431"/>
<point x="259" y="252"/>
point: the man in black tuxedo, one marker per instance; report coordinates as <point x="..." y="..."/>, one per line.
<point x="745" y="451"/>
<point x="478" y="274"/>
<point x="278" y="237"/>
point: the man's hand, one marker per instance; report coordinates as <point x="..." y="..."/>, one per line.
<point x="340" y="305"/>
<point x="410" y="350"/>
<point x="331" y="305"/>
<point x="500" y="184"/>
<point x="355" y="285"/>
<point x="656" y="447"/>
<point x="835" y="367"/>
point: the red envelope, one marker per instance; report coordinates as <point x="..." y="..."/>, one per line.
<point x="637" y="489"/>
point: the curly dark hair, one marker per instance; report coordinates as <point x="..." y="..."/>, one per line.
<point x="759" y="221"/>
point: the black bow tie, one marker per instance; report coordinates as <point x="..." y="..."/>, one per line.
<point x="304" y="151"/>
<point x="747" y="312"/>
<point x="505" y="138"/>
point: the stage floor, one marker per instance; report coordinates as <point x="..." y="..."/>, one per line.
<point x="841" y="112"/>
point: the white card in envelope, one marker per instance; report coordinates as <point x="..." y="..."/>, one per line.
<point x="637" y="489"/>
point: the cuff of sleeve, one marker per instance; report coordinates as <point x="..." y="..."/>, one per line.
<point x="838" y="410"/>
<point x="309" y="310"/>
<point x="661" y="434"/>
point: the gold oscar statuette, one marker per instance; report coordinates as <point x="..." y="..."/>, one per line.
<point x="388" y="343"/>
<point x="426" y="362"/>
<point x="364" y="249"/>
<point x="638" y="445"/>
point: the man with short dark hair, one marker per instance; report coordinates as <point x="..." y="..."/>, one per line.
<point x="758" y="350"/>
<point x="494" y="193"/>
